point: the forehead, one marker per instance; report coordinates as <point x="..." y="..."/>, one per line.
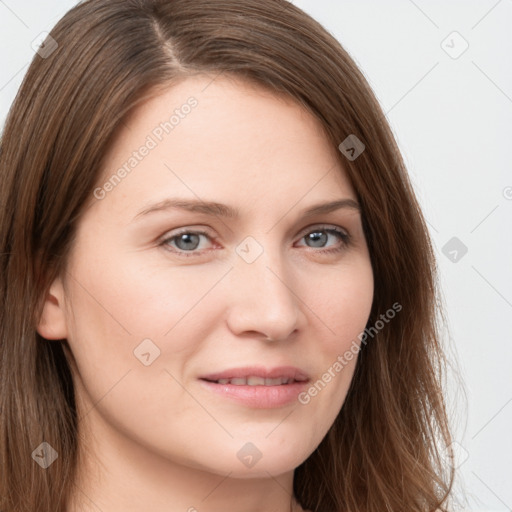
<point x="222" y="137"/>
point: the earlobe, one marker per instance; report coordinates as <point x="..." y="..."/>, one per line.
<point x="52" y="323"/>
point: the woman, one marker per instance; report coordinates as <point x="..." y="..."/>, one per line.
<point x="218" y="288"/>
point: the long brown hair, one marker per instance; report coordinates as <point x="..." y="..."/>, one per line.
<point x="385" y="448"/>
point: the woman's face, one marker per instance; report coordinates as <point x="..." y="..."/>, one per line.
<point x="161" y="304"/>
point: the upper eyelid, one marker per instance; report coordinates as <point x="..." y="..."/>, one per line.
<point x="205" y="230"/>
<point x="321" y="226"/>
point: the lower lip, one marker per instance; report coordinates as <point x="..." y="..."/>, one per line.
<point x="260" y="397"/>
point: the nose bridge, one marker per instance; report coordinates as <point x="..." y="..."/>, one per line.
<point x="263" y="299"/>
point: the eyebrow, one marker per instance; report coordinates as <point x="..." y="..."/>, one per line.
<point x="223" y="210"/>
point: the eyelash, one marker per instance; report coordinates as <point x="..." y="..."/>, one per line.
<point x="343" y="236"/>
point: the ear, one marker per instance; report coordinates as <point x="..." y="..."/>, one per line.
<point x="52" y="323"/>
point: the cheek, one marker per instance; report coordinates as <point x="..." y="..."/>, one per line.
<point x="130" y="301"/>
<point x="343" y="306"/>
<point x="134" y="328"/>
<point x="153" y="299"/>
<point x="343" y="303"/>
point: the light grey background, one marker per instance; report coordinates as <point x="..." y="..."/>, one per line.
<point x="452" y="116"/>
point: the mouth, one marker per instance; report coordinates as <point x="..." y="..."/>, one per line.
<point x="258" y="376"/>
<point x="255" y="381"/>
<point x="258" y="387"/>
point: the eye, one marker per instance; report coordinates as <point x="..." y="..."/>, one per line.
<point x="186" y="241"/>
<point x="318" y="237"/>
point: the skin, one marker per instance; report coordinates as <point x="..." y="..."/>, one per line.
<point x="151" y="437"/>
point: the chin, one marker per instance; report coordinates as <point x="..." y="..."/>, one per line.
<point x="268" y="457"/>
<point x="264" y="469"/>
<point x="251" y="459"/>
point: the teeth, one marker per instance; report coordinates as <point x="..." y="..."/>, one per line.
<point x="255" y="381"/>
<point x="276" y="382"/>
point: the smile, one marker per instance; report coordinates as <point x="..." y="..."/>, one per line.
<point x="258" y="387"/>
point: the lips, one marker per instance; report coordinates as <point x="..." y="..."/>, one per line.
<point x="257" y="387"/>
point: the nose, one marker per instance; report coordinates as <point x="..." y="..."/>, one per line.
<point x="262" y="301"/>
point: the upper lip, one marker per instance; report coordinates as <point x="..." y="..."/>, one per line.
<point x="286" y="372"/>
